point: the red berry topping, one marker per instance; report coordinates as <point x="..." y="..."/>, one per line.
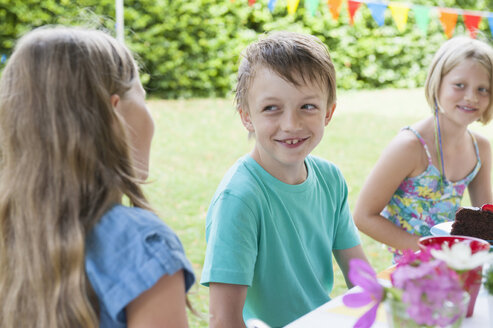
<point x="487" y="207"/>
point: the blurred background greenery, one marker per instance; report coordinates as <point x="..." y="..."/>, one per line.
<point x="190" y="49"/>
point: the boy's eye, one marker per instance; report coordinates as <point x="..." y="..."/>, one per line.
<point x="308" y="106"/>
<point x="269" y="108"/>
<point x="459" y="85"/>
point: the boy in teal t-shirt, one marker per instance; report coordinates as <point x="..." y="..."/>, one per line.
<point x="279" y="213"/>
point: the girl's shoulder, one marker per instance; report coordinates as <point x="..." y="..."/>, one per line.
<point x="484" y="146"/>
<point x="123" y="225"/>
<point x="481" y="140"/>
<point x="121" y="217"/>
<point x="407" y="154"/>
<point x="408" y="140"/>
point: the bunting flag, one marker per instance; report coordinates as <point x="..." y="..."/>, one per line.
<point x="472" y="22"/>
<point x="292" y="6"/>
<point x="335" y="8"/>
<point x="352" y="6"/>
<point x="377" y="11"/>
<point x="422" y="17"/>
<point x="399" y="14"/>
<point x="3" y="59"/>
<point x="312" y="6"/>
<point x="449" y="20"/>
<point x="399" y="11"/>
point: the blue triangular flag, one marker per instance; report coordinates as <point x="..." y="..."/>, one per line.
<point x="377" y="11"/>
<point x="271" y="5"/>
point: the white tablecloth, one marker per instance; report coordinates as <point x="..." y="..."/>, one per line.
<point x="335" y="314"/>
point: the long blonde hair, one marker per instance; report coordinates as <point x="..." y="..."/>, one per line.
<point x="64" y="161"/>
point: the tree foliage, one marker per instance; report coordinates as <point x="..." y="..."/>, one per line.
<point x="191" y="48"/>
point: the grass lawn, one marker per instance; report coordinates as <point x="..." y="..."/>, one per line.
<point x="196" y="141"/>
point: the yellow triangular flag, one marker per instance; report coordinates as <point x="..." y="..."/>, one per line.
<point x="399" y="13"/>
<point x="292" y="6"/>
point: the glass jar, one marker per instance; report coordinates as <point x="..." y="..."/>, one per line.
<point x="397" y="316"/>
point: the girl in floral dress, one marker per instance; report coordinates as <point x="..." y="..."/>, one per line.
<point x="421" y="176"/>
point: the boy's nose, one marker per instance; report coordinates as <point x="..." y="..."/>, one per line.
<point x="290" y="121"/>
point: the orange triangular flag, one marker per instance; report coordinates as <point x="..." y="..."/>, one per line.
<point x="335" y="8"/>
<point x="352" y="6"/>
<point x="472" y="22"/>
<point x="448" y="18"/>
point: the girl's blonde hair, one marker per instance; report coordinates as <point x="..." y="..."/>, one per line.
<point x="451" y="54"/>
<point x="64" y="161"/>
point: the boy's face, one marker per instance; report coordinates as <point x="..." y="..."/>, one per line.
<point x="288" y="121"/>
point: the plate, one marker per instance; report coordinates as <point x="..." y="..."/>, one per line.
<point x="441" y="229"/>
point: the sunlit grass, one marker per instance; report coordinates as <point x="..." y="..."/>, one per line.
<point x="196" y="141"/>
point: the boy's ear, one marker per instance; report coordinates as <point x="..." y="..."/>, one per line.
<point x="245" y="119"/>
<point x="114" y="99"/>
<point x="330" y="112"/>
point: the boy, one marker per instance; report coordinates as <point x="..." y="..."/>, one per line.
<point x="279" y="212"/>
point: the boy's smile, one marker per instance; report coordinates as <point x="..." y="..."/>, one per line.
<point x="288" y="122"/>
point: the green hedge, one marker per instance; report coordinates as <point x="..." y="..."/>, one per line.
<point x="191" y="48"/>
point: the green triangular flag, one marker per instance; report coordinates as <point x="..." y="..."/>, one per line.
<point x="312" y="6"/>
<point x="422" y="16"/>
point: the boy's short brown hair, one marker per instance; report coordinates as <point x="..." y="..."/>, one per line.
<point x="291" y="55"/>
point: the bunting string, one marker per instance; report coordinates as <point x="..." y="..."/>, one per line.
<point x="399" y="12"/>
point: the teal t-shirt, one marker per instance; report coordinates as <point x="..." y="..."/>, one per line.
<point x="278" y="238"/>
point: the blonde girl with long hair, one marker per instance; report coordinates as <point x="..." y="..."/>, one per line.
<point x="75" y="136"/>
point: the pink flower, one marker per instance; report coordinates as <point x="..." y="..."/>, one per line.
<point x="423" y="284"/>
<point x="362" y="274"/>
<point x="426" y="287"/>
<point x="411" y="258"/>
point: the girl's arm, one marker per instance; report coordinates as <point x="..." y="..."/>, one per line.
<point x="226" y="303"/>
<point x="480" y="187"/>
<point x="403" y="157"/>
<point x="343" y="256"/>
<point x="163" y="305"/>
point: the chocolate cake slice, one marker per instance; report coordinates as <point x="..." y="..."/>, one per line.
<point x="474" y="222"/>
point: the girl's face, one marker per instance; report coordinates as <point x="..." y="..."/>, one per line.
<point x="464" y="93"/>
<point x="140" y="125"/>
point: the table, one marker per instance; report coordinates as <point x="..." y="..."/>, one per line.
<point x="335" y="314"/>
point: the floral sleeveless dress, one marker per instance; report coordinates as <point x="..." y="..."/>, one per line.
<point x="427" y="199"/>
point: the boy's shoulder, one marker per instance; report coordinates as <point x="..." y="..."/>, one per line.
<point x="323" y="168"/>
<point x="243" y="177"/>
